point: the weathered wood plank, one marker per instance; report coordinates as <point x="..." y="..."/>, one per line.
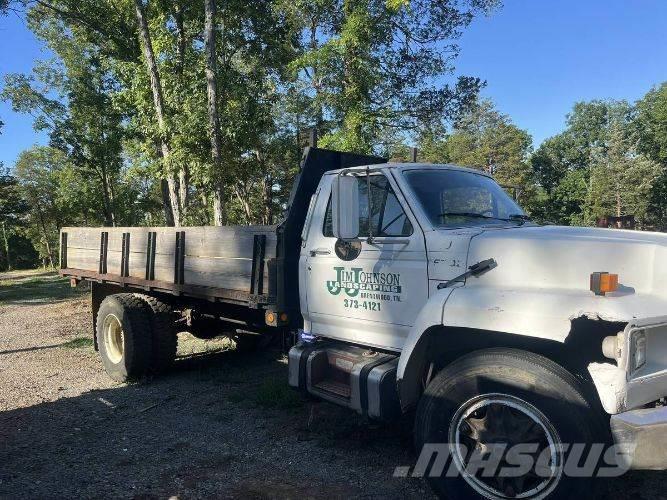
<point x="113" y="260"/>
<point x="164" y="267"/>
<point x="82" y="258"/>
<point x="235" y="274"/>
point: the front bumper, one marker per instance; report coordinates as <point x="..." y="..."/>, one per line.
<point x="642" y="437"/>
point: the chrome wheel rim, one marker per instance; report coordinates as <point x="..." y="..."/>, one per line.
<point x="489" y="420"/>
<point x="114" y="342"/>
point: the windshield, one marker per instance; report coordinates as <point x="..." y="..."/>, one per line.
<point x="453" y="198"/>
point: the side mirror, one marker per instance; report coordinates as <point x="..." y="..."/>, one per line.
<point x="345" y="207"/>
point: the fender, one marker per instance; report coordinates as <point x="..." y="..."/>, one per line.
<point x="412" y="353"/>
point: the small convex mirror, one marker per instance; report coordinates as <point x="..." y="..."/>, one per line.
<point x="345" y="207"/>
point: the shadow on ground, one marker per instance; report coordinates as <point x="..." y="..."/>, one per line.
<point x="221" y="425"/>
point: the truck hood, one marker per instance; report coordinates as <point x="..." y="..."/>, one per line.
<point x="559" y="257"/>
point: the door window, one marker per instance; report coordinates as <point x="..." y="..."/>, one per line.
<point x="384" y="215"/>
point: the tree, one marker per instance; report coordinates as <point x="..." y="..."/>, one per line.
<point x="373" y="66"/>
<point x="595" y="167"/>
<point x="620" y="179"/>
<point x="202" y="105"/>
<point x="485" y="139"/>
<point x="176" y="202"/>
<point x="552" y="160"/>
<point x="87" y="128"/>
<point x="12" y="209"/>
<point x="213" y="115"/>
<point x="37" y="171"/>
<point x="651" y="126"/>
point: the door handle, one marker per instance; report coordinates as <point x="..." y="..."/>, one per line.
<point x="319" y="251"/>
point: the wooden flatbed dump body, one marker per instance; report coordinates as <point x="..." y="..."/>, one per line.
<point x="229" y="263"/>
<point x="253" y="267"/>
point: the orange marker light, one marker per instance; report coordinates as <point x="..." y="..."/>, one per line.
<point x="603" y="282"/>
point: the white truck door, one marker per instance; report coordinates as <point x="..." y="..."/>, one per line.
<point x="368" y="292"/>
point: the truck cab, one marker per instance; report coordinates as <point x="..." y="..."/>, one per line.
<point x="414" y="233"/>
<point x="426" y="288"/>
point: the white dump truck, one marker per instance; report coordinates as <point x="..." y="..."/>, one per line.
<point x="414" y="290"/>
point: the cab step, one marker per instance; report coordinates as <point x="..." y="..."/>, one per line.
<point x="359" y="378"/>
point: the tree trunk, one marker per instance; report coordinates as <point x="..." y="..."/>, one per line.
<point x="218" y="208"/>
<point x="183" y="189"/>
<point x="166" y="206"/>
<point x="213" y="116"/>
<point x="45" y="235"/>
<point x="181" y="43"/>
<point x="180" y="37"/>
<point x="243" y="199"/>
<point x="316" y="83"/>
<point x="266" y="186"/>
<point x="267" y="200"/>
<point x="158" y="102"/>
<point x="4" y="236"/>
<point x="107" y="202"/>
<point x="112" y="202"/>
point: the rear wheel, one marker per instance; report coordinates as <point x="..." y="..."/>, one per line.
<point x="497" y="399"/>
<point x="124" y="336"/>
<point x="164" y="334"/>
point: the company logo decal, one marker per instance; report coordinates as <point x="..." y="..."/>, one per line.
<point x="355" y="280"/>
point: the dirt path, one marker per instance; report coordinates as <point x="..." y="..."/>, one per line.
<point x="220" y="424"/>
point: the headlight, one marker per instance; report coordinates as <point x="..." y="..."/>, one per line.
<point x="612" y="346"/>
<point x="638" y="349"/>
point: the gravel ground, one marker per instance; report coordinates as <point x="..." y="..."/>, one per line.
<point x="219" y="424"/>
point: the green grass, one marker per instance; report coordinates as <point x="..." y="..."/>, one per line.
<point x="28" y="288"/>
<point x="277" y="394"/>
<point x="78" y="343"/>
<point x="270" y="394"/>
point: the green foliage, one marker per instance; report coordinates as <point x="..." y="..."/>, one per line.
<point x="596" y="167"/>
<point x="485" y="139"/>
<point x="651" y="124"/>
<point x="651" y="127"/>
<point x="372" y="67"/>
<point x="364" y="72"/>
<point x="16" y="251"/>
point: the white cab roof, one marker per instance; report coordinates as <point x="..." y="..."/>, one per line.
<point x="411" y="166"/>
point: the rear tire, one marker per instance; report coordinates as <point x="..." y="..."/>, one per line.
<point x="124" y="336"/>
<point x="164" y="334"/>
<point x="511" y="397"/>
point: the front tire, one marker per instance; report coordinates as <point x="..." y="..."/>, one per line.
<point x="505" y="397"/>
<point x="124" y="336"/>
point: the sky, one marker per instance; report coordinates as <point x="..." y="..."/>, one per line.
<point x="538" y="58"/>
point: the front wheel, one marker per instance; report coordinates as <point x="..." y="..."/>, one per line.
<point x="507" y="419"/>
